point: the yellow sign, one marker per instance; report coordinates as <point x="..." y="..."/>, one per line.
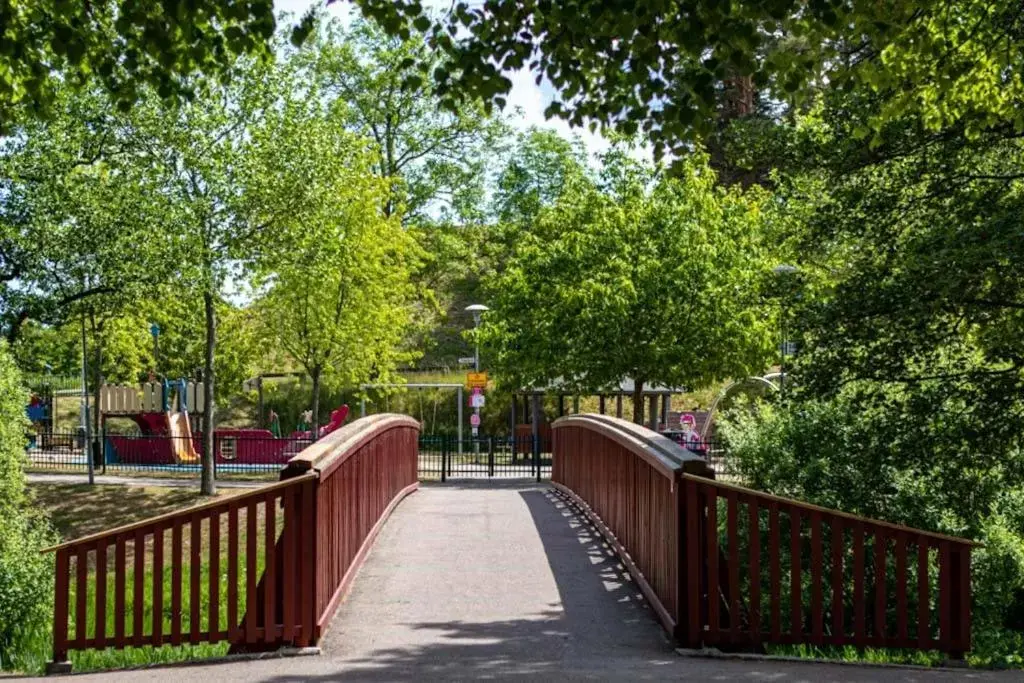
<point x="476" y="379"/>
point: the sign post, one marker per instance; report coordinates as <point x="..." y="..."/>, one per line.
<point x="476" y="382"/>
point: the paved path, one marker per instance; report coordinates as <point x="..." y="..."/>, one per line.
<point x="501" y="581"/>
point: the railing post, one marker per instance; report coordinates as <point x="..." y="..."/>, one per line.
<point x="536" y="456"/>
<point x="444" y="458"/>
<point x="490" y="456"/>
<point x="60" y="663"/>
<point x="308" y="562"/>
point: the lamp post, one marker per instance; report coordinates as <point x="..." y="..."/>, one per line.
<point x="154" y="330"/>
<point x="783" y="270"/>
<point x="477" y="310"/>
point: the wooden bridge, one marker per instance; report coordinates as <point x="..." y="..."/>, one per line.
<point x="719" y="565"/>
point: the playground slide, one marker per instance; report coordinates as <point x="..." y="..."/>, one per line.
<point x="181" y="437"/>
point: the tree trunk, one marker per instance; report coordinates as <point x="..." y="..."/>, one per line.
<point x="638" y="402"/>
<point x="208" y="486"/>
<point x="315" y="426"/>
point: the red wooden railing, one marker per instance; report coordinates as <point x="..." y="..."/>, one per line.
<point x="724" y="565"/>
<point x="259" y="570"/>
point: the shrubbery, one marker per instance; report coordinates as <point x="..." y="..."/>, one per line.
<point x="26" y="576"/>
<point x="893" y="466"/>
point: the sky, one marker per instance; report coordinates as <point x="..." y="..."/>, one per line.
<point x="530" y="98"/>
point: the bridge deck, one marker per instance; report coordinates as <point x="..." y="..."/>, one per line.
<point x="501" y="581"/>
<point x="469" y="580"/>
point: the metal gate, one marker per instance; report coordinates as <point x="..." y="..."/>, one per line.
<point x="443" y="457"/>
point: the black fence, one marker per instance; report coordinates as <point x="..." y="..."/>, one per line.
<point x="715" y="451"/>
<point x="116" y="453"/>
<point x="503" y="457"/>
<point x="442" y="457"/>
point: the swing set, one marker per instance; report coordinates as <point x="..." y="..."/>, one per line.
<point x="387" y="401"/>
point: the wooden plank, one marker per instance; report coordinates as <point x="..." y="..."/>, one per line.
<point x="119" y="597"/>
<point x="923" y="609"/>
<point x="881" y="596"/>
<point x="213" y="616"/>
<point x="139" y="583"/>
<point x="269" y="567"/>
<point x="945" y="598"/>
<point x="195" y="569"/>
<point x="901" y="586"/>
<point x="711" y="538"/>
<point x="838" y="543"/>
<point x="817" y="609"/>
<point x="775" y="577"/>
<point x="233" y="629"/>
<point x="250" y="572"/>
<point x="81" y="591"/>
<point x="288" y="602"/>
<point x="176" y="543"/>
<point x="60" y="605"/>
<point x="964" y="589"/>
<point x="796" y="616"/>
<point x="158" y="585"/>
<point x="101" y="594"/>
<point x="307" y="565"/>
<point x="733" y="539"/>
<point x="755" y="569"/>
<point x="859" y="629"/>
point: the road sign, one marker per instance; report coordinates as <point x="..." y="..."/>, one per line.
<point x="474" y="420"/>
<point x="476" y="379"/>
<point x="467" y="360"/>
<point x="476" y="401"/>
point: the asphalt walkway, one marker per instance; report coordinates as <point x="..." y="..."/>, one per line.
<point x="500" y="581"/>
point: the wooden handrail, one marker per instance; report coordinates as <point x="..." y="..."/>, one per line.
<point x="312" y="530"/>
<point x="255" y="492"/>
<point x="834" y="513"/>
<point x="663" y="454"/>
<point x="335" y="448"/>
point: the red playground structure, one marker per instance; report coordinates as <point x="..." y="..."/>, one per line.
<point x="162" y="410"/>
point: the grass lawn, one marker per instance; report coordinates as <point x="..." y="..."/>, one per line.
<point x="78" y="510"/>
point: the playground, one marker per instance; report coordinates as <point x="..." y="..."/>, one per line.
<point x="155" y="428"/>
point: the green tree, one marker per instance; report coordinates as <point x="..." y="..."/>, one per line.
<point x="227" y="189"/>
<point x="641" y="276"/>
<point x="437" y="159"/>
<point x="337" y="286"/>
<point x="339" y="302"/>
<point x="663" y="68"/>
<point x="127" y="46"/>
<point x="535" y="174"/>
<point x="70" y="214"/>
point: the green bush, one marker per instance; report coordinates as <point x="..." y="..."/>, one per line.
<point x="26" y="576"/>
<point x="26" y="592"/>
<point x="886" y="463"/>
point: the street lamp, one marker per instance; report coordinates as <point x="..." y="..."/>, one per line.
<point x="476" y="310"/>
<point x="783" y="270"/>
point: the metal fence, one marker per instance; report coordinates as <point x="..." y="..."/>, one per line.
<point x="503" y="457"/>
<point x="441" y="457"/>
<point x="715" y="451"/>
<point x="64" y="450"/>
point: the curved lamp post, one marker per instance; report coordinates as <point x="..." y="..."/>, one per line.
<point x="783" y="270"/>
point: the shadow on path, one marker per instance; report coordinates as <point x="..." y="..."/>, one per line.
<point x="516" y="584"/>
